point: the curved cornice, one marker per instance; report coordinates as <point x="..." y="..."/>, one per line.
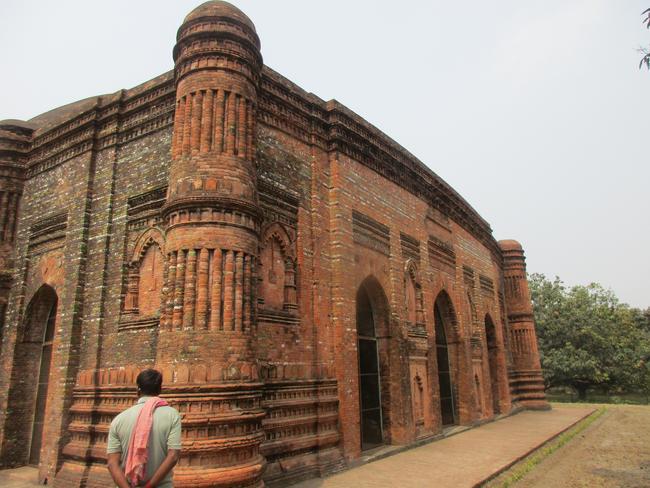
<point x="283" y="106"/>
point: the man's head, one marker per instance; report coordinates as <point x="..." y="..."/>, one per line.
<point x="149" y="382"/>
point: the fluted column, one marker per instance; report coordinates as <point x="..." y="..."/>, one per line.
<point x="526" y="380"/>
<point x="215" y="291"/>
<point x="202" y="289"/>
<point x="212" y="219"/>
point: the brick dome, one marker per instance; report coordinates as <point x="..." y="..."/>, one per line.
<point x="510" y="245"/>
<point x="217" y="8"/>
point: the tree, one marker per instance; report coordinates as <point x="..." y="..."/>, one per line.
<point x="645" y="60"/>
<point x="588" y="338"/>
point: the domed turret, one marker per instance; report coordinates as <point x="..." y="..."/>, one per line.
<point x="212" y="221"/>
<point x="219" y="9"/>
<point x="217" y="69"/>
<point x="510" y="245"/>
<point x="526" y="381"/>
<point x="217" y="36"/>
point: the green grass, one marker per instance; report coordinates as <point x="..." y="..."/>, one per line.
<point x="526" y="466"/>
<point x="594" y="397"/>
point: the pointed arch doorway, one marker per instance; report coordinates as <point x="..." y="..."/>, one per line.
<point x="371" y="319"/>
<point x="443" y="313"/>
<point x="40" y="326"/>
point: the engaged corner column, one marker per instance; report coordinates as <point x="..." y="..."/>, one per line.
<point x="526" y="380"/>
<point x="212" y="219"/>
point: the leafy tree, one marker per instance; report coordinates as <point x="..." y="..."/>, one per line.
<point x="645" y="60"/>
<point x="587" y="338"/>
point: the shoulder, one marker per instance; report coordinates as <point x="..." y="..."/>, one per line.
<point x="124" y="415"/>
<point x="168" y="412"/>
<point x="167" y="408"/>
<point x="165" y="419"/>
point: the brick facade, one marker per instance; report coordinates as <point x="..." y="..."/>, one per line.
<point x="308" y="288"/>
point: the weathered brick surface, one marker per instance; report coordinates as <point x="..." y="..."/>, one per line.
<point x="223" y="224"/>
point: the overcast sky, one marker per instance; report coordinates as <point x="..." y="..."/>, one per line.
<point x="534" y="111"/>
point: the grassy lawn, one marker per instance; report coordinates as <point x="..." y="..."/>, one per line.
<point x="598" y="397"/>
<point x="525" y="466"/>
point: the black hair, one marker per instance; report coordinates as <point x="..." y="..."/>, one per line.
<point x="149" y="382"/>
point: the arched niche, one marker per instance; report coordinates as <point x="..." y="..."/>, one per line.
<point x="372" y="324"/>
<point x="277" y="270"/>
<point x="447" y="357"/>
<point x="145" y="275"/>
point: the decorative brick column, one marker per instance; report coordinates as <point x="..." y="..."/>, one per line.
<point x="526" y="381"/>
<point x="212" y="220"/>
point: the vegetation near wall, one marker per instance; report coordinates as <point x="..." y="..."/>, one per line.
<point x="589" y="339"/>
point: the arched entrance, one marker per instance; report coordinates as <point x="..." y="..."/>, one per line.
<point x="492" y="346"/>
<point x="38" y="337"/>
<point x="443" y="315"/>
<point x="371" y="316"/>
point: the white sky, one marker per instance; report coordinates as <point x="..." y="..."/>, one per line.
<point x="534" y="111"/>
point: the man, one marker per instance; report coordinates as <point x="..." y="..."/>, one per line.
<point x="154" y="422"/>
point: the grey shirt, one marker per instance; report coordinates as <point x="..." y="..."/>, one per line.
<point x="165" y="434"/>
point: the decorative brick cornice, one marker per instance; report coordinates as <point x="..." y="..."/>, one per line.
<point x="153" y="199"/>
<point x="127" y="115"/>
<point x="49" y="225"/>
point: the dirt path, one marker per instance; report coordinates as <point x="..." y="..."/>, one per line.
<point x="614" y="451"/>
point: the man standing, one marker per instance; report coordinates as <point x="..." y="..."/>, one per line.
<point x="144" y="441"/>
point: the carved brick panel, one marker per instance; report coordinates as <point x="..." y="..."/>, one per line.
<point x="441" y="255"/>
<point x="369" y="233"/>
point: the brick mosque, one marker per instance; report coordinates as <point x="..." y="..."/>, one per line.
<point x="309" y="289"/>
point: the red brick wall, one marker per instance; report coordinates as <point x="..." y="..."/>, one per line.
<point x="340" y="207"/>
